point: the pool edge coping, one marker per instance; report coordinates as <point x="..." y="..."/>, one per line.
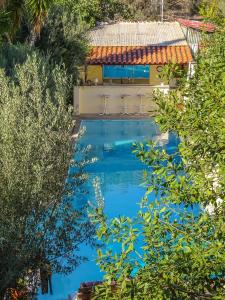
<point x="78" y="119"/>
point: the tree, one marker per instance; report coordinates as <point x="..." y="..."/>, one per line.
<point x="63" y="38"/>
<point x="213" y="10"/>
<point x="89" y="13"/>
<point x="33" y="11"/>
<point x="13" y="55"/>
<point x="40" y="227"/>
<point x="174" y="248"/>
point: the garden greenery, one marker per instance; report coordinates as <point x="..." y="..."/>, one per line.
<point x="167" y="252"/>
<point x="38" y="223"/>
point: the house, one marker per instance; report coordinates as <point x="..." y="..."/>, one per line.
<point x="123" y="67"/>
<point x="193" y="30"/>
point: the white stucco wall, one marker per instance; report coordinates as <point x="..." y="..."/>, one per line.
<point x="115" y="99"/>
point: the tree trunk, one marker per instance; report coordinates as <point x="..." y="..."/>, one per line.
<point x="2" y="3"/>
<point x="33" y="38"/>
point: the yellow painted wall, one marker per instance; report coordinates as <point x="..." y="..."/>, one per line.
<point x="154" y="79"/>
<point x="93" y="72"/>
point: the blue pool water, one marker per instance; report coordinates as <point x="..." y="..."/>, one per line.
<point x="120" y="175"/>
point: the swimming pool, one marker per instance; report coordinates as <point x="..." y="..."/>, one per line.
<point x="120" y="175"/>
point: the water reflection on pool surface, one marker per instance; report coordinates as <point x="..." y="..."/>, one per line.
<point x="120" y="174"/>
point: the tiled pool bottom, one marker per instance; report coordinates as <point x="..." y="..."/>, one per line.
<point x="120" y="175"/>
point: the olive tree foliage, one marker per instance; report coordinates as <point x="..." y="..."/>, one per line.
<point x="40" y="228"/>
<point x="174" y="248"/>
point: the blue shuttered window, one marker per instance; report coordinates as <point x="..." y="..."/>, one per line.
<point x="126" y="71"/>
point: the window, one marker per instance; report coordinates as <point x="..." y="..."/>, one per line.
<point x="126" y="71"/>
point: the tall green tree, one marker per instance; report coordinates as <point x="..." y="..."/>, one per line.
<point x="63" y="37"/>
<point x="40" y="228"/>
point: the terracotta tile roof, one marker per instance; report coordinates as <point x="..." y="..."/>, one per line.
<point x="139" y="55"/>
<point x="208" y="27"/>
